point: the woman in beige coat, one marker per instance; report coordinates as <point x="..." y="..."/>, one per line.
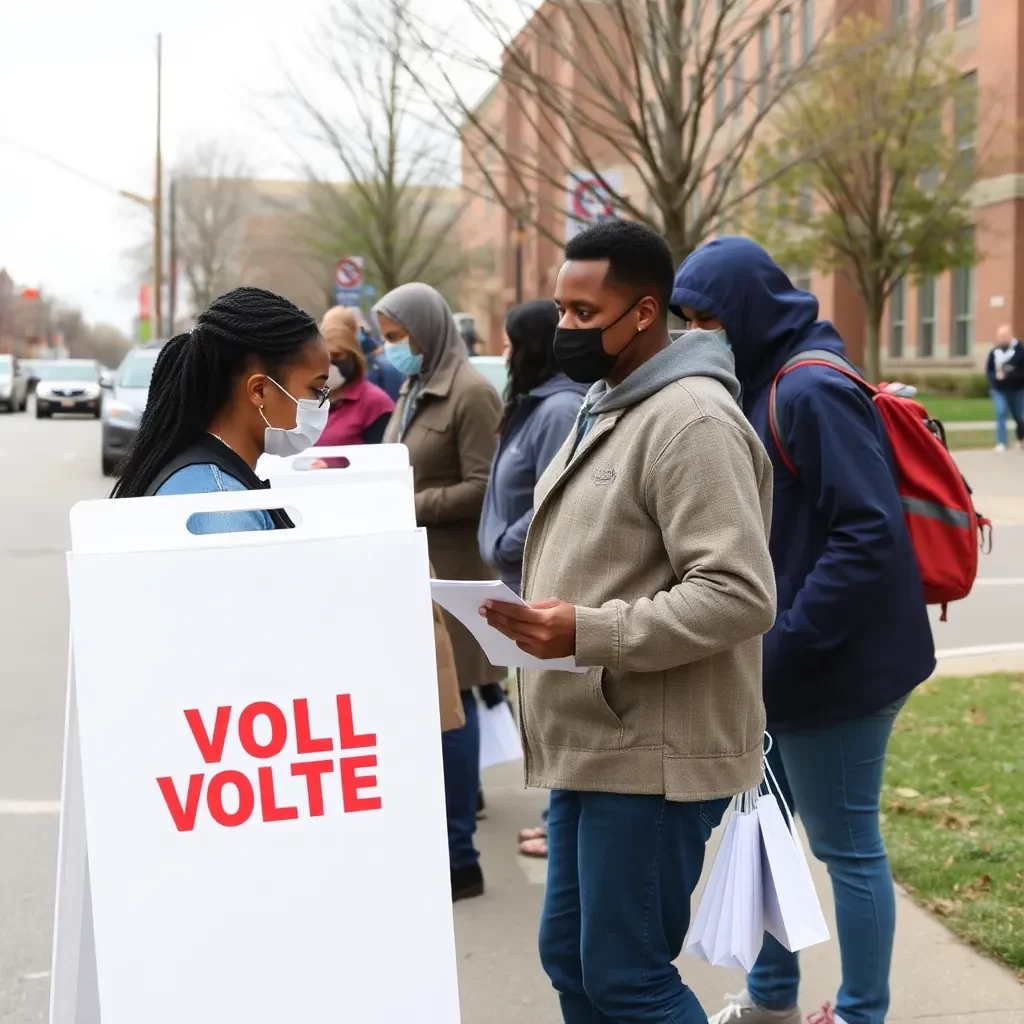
<point x="447" y="415"/>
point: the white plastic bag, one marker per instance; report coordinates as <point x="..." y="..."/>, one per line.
<point x="728" y="927"/>
<point x="499" y="736"/>
<point x="792" y="912"/>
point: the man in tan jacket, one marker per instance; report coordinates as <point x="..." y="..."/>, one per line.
<point x="647" y="560"/>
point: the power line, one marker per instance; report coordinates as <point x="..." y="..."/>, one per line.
<point x="39" y="155"/>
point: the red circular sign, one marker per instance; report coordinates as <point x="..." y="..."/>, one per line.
<point x="591" y="201"/>
<point x="348" y="273"/>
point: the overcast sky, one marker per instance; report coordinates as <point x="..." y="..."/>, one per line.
<point x="77" y="82"/>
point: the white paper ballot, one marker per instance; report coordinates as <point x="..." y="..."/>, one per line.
<point x="499" y="736"/>
<point x="463" y="598"/>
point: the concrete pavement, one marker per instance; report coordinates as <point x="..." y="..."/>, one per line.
<point x="46" y="466"/>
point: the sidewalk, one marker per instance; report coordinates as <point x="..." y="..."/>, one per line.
<point x="935" y="978"/>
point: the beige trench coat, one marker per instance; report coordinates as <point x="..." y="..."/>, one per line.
<point x="451" y="440"/>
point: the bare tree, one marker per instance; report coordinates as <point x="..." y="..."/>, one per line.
<point x="673" y="92"/>
<point x="396" y="203"/>
<point x="214" y="194"/>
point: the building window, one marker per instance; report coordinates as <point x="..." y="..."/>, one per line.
<point x="935" y="15"/>
<point x="785" y="38"/>
<point x="927" y="311"/>
<point x="962" y="341"/>
<point x="966" y="9"/>
<point x="764" y="60"/>
<point x="965" y="119"/>
<point x="738" y="85"/>
<point x="805" y="200"/>
<point x="696" y="11"/>
<point x="807" y="27"/>
<point x="899" y="10"/>
<point x="720" y="83"/>
<point x="801" y="278"/>
<point x="897" y="319"/>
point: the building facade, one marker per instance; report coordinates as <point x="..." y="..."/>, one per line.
<point x="946" y="322"/>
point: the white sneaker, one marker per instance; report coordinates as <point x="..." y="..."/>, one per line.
<point x="741" y="1009"/>
<point x="1000" y="449"/>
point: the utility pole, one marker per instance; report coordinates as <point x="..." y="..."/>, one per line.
<point x="172" y="269"/>
<point x="158" y="233"/>
<point x="517" y="236"/>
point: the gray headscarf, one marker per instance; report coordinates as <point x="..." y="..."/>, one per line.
<point x="422" y="311"/>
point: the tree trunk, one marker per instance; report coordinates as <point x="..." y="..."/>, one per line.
<point x="872" y="353"/>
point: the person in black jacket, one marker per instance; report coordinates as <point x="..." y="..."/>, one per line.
<point x="1005" y="372"/>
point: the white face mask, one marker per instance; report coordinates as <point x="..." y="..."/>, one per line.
<point x="310" y="420"/>
<point x="335" y="378"/>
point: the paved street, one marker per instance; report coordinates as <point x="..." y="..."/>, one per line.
<point x="45" y="466"/>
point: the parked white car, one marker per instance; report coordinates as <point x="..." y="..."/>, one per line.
<point x="13" y="384"/>
<point x="71" y="385"/>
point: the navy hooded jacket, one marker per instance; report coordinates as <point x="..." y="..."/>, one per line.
<point x="852" y="634"/>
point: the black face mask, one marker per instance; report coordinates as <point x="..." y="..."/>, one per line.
<point x="580" y="351"/>
<point x="345" y="366"/>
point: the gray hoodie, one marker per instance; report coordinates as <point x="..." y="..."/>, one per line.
<point x="695" y="354"/>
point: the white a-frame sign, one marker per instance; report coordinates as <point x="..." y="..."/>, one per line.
<point x="253" y="822"/>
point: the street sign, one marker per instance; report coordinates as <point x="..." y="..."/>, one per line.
<point x="589" y="201"/>
<point x="348" y="281"/>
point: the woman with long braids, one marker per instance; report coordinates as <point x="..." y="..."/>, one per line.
<point x="249" y="378"/>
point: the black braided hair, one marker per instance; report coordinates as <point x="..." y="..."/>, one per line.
<point x="195" y="373"/>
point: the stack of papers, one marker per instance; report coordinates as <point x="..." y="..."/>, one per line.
<point x="463" y="598"/>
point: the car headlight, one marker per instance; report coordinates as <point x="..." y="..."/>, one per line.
<point x="43" y="391"/>
<point x="92" y="391"/>
<point x="122" y="414"/>
<point x="5" y="387"/>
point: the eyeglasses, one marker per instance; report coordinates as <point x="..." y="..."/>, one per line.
<point x="324" y="393"/>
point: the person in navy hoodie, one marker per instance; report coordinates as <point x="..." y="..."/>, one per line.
<point x="852" y="637"/>
<point x="541" y="404"/>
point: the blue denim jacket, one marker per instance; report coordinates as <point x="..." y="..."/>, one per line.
<point x="204" y="479"/>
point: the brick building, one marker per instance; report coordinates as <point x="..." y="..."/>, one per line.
<point x="945" y="322"/>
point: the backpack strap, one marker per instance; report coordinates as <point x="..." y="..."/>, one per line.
<point x="777" y="421"/>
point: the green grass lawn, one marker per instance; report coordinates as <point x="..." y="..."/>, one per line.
<point x="961" y="440"/>
<point x="953" y="808"/>
<point x="951" y="409"/>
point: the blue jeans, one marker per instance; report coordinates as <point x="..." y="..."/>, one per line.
<point x="833" y="778"/>
<point x="621" y="871"/>
<point x="1006" y="404"/>
<point x="460" y="751"/>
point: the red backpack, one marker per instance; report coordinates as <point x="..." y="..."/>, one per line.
<point x="944" y="527"/>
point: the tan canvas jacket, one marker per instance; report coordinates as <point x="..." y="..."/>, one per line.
<point x="657" y="530"/>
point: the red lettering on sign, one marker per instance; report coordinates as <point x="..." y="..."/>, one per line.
<point x="184" y="817"/>
<point x="347" y="729"/>
<point x="268" y="799"/>
<point x="212" y="749"/>
<point x="304" y="742"/>
<point x="351" y="784"/>
<point x="314" y="771"/>
<point x="278" y="729"/>
<point x="215" y="799"/>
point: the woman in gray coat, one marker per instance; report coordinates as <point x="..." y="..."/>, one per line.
<point x="447" y="415"/>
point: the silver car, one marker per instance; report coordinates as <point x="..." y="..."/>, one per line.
<point x="69" y="385"/>
<point x="13" y="384"/>
<point x="123" y="409"/>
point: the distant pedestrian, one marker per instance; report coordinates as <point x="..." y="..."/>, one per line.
<point x="852" y="637"/>
<point x="648" y="562"/>
<point x="467" y="330"/>
<point x="379" y="370"/>
<point x="1005" y="372"/>
<point x="360" y="410"/>
<point x="541" y="404"/>
<point x="249" y="378"/>
<point x="447" y="416"/>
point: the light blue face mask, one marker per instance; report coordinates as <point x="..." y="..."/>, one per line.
<point x="401" y="358"/>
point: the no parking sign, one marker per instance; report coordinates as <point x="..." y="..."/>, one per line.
<point x="589" y="200"/>
<point x="348" y="281"/>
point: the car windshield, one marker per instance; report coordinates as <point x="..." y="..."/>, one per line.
<point x="137" y="370"/>
<point x="72" y="371"/>
<point x="494" y="372"/>
<point x="6" y="365"/>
